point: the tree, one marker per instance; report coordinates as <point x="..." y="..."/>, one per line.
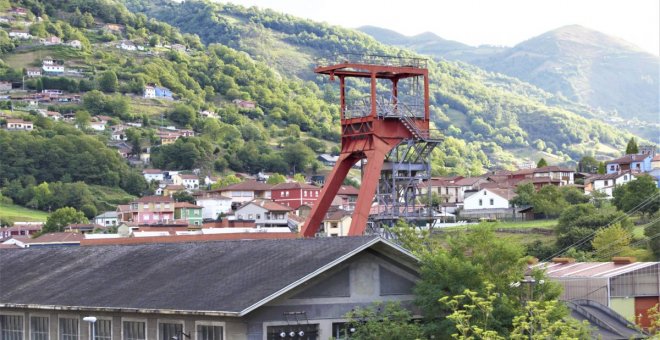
<point x="300" y="178"/>
<point x="601" y="168"/>
<point x="63" y="217"/>
<point x="542" y="162"/>
<point x="577" y="224"/>
<point x="611" y="241"/>
<point x="588" y="164"/>
<point x="640" y="194"/>
<point x="472" y="315"/>
<point x="549" y="201"/>
<point x="108" y="82"/>
<point x="276" y="179"/>
<point x="297" y="156"/>
<point x="182" y="114"/>
<point x="225" y="181"/>
<point x="382" y="321"/>
<point x="471" y="260"/>
<point x="653" y="233"/>
<point x="183" y="196"/>
<point x="82" y="119"/>
<point x="631" y="147"/>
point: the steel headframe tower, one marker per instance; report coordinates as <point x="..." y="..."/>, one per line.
<point x="390" y="134"/>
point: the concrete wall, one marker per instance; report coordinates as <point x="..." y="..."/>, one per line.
<point x="327" y="299"/>
<point x="472" y="202"/>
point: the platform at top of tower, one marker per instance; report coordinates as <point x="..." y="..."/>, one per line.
<point x="359" y="65"/>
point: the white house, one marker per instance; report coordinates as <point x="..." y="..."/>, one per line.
<point x="33" y="72"/>
<point x="97" y="125"/>
<point x="127" y="46"/>
<point x="213" y="204"/>
<point x="149" y="92"/>
<point x="489" y="199"/>
<point x="156" y="175"/>
<point x="75" y="43"/>
<point x="20" y="35"/>
<point x="107" y="219"/>
<point x="53" y="68"/>
<point x="265" y="213"/>
<point x="246" y="191"/>
<point x="48" y="61"/>
<point x="188" y="181"/>
<point x="19" y="125"/>
<point x="606" y="183"/>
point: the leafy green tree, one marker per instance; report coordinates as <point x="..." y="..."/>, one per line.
<point x="631" y="147"/>
<point x="298" y="156"/>
<point x="525" y="194"/>
<point x="640" y="194"/>
<point x="382" y="321"/>
<point x="300" y="178"/>
<point x="276" y="179"/>
<point x="578" y="223"/>
<point x="601" y="168"/>
<point x="473" y="316"/>
<point x="611" y="241"/>
<point x="182" y="114"/>
<point x="549" y="201"/>
<point x="82" y="119"/>
<point x="653" y="233"/>
<point x="108" y="82"/>
<point x="542" y="162"/>
<point x="573" y="195"/>
<point x="588" y="164"/>
<point x="63" y="217"/>
<point x="183" y="196"/>
<point x="471" y="260"/>
<point x="225" y="181"/>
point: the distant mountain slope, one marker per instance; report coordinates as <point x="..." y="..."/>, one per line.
<point x="580" y="64"/>
<point x="489" y="119"/>
<point x="431" y="44"/>
<point x="588" y="67"/>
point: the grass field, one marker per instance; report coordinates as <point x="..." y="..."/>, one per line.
<point x="17" y="213"/>
<point x="544" y="224"/>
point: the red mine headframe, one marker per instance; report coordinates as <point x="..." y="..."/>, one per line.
<point x="370" y="131"/>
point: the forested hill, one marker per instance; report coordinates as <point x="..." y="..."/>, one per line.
<point x="583" y="65"/>
<point x="494" y="114"/>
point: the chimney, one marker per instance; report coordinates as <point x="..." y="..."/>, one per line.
<point x="623" y="259"/>
<point x="563" y="260"/>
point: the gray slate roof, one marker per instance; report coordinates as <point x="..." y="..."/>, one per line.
<point x="221" y="276"/>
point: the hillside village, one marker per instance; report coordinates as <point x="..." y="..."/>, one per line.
<point x="200" y="165"/>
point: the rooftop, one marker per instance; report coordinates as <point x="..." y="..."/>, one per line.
<point x="205" y="277"/>
<point x="628" y="159"/>
<point x="268" y="205"/>
<point x="250" y="185"/>
<point x="591" y="269"/>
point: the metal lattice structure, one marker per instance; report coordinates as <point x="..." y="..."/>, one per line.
<point x="387" y="130"/>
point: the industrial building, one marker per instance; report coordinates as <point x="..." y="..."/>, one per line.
<point x="243" y="289"/>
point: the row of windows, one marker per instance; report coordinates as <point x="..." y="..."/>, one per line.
<point x="12" y="328"/>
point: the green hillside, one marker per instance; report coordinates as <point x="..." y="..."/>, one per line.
<point x="15" y="213"/>
<point x="501" y="115"/>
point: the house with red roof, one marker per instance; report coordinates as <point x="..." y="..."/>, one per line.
<point x="246" y="191"/>
<point x="633" y="163"/>
<point x="265" y="213"/>
<point x="295" y="194"/>
<point x="189" y="212"/>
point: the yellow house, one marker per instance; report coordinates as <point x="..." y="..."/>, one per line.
<point x="336" y="223"/>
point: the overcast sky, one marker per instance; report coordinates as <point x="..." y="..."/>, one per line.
<point x="477" y="22"/>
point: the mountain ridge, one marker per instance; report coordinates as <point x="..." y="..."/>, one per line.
<point x="584" y="65"/>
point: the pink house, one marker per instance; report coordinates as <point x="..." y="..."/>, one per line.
<point x="152" y="210"/>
